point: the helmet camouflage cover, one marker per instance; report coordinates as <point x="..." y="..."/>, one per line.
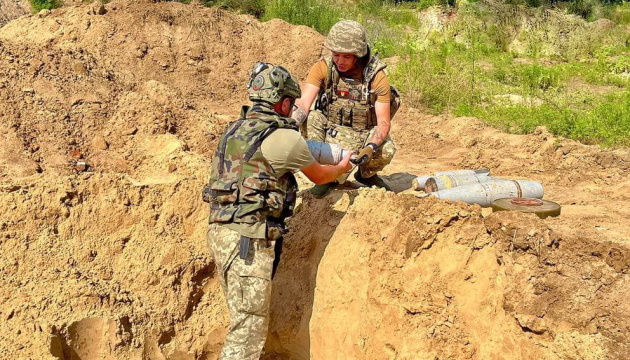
<point x="347" y="36"/>
<point x="270" y="83"/>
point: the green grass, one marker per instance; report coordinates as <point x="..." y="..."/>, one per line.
<point x="606" y="122"/>
<point x="318" y="14"/>
<point x="580" y="90"/>
<point x="39" y="5"/>
<point x="620" y="14"/>
<point x="577" y="84"/>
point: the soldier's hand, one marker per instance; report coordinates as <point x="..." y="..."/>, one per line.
<point x="345" y="163"/>
<point x="365" y="155"/>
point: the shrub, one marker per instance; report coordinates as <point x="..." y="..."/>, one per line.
<point x="537" y="77"/>
<point x="437" y="78"/>
<point x="39" y="5"/>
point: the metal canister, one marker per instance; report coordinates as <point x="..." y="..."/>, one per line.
<point x="325" y="153"/>
<point x="420" y="181"/>
<point x="485" y="193"/>
<point x="441" y="182"/>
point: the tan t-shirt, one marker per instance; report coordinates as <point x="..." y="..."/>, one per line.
<point x="380" y="83"/>
<point x="286" y="151"/>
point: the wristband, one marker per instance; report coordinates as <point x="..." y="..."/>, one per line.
<point x="373" y="146"/>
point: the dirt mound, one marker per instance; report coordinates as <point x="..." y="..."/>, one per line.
<point x="588" y="181"/>
<point x="111" y="263"/>
<point x="432" y="280"/>
<point x="138" y="70"/>
<point x="11" y="9"/>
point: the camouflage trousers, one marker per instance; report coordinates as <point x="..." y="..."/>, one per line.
<point x="247" y="287"/>
<point x="318" y="129"/>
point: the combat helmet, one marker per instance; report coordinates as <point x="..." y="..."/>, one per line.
<point x="347" y="36"/>
<point x="269" y="83"/>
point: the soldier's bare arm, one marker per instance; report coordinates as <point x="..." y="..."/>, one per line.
<point x="309" y="93"/>
<point x="383" y="123"/>
<point x="322" y="174"/>
<point x="298" y="114"/>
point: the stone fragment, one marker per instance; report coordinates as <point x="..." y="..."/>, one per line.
<point x="99" y="143"/>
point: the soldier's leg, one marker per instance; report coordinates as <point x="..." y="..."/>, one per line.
<point x="349" y="139"/>
<point x="382" y="158"/>
<point x="248" y="298"/>
<point x="316" y="126"/>
<point x="223" y="245"/>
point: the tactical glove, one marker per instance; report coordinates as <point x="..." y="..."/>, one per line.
<point x="365" y="155"/>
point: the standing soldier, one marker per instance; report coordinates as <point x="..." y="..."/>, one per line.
<point x="354" y="103"/>
<point x="251" y="192"/>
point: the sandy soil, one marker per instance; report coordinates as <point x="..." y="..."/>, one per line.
<point x="111" y="262"/>
<point x="11" y="9"/>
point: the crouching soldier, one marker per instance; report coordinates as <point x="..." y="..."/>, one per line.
<point x="353" y="104"/>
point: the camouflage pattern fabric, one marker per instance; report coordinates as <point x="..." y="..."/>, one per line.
<point x="351" y="105"/>
<point x="246" y="285"/>
<point x="269" y="83"/>
<point x="339" y="101"/>
<point x="318" y="129"/>
<point x="243" y="189"/>
<point x="347" y="36"/>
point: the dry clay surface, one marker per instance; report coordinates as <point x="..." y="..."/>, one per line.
<point x="112" y="263"/>
<point x="11" y="9"/>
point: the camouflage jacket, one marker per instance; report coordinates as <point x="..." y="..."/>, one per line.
<point x="244" y="192"/>
<point x="349" y="102"/>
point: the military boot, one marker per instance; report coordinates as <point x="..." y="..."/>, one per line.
<point x="319" y="191"/>
<point x="373" y="180"/>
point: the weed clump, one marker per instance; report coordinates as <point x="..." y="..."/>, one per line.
<point x="39" y="5"/>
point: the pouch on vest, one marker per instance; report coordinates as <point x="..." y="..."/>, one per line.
<point x="222" y="195"/>
<point x="260" y="193"/>
<point x="347" y="137"/>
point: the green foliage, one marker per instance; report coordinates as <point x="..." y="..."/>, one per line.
<point x="318" y="14"/>
<point x="606" y="123"/>
<point x="537" y="77"/>
<point x="254" y="7"/>
<point x="437" y="79"/>
<point x="620" y="65"/>
<point x="620" y="14"/>
<point x="39" y="5"/>
<point x="553" y="72"/>
<point x="583" y="8"/>
<point x="385" y="12"/>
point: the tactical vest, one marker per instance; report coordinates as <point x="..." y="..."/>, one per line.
<point x="244" y="191"/>
<point x="350" y="102"/>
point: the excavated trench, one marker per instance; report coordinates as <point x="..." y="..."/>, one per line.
<point x="111" y="262"/>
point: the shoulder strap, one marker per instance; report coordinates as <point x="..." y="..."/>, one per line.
<point x="277" y="123"/>
<point x="330" y="72"/>
<point x="256" y="145"/>
<point x="370" y="71"/>
<point x="332" y="77"/>
<point x="233" y="127"/>
<point x="373" y="67"/>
